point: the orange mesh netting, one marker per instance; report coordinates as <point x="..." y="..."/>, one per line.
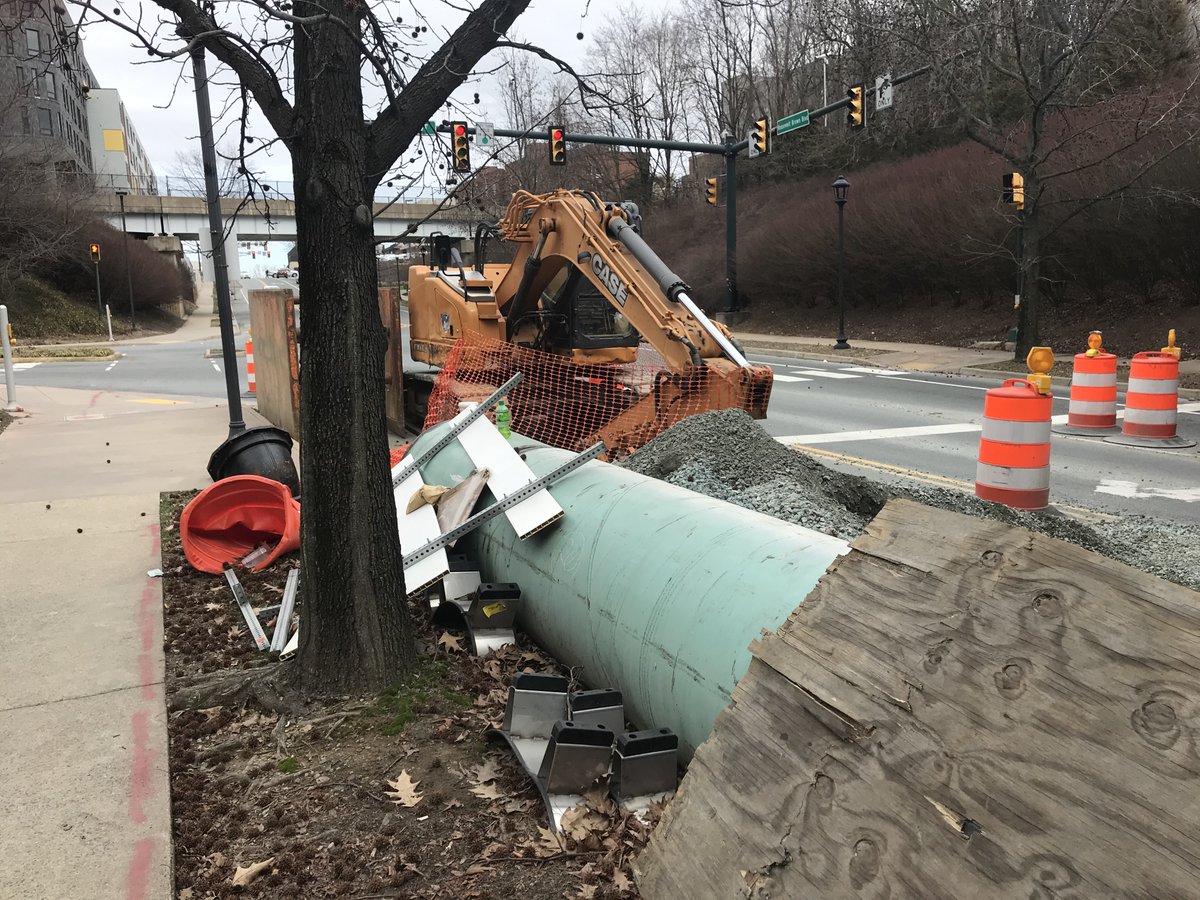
<point x="572" y="406"/>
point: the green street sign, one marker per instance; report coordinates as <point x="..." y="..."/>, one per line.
<point x="430" y="128"/>
<point x="792" y="122"/>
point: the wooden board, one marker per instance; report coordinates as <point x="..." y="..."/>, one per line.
<point x="489" y="450"/>
<point x="960" y="709"/>
<point x="276" y="363"/>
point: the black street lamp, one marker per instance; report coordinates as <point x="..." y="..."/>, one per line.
<point x="841" y="187"/>
<point x="128" y="278"/>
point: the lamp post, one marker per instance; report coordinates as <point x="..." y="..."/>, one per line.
<point x="841" y="187"/>
<point x="128" y="277"/>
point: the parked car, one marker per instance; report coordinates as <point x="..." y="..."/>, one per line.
<point x="282" y="273"/>
<point x="294" y="274"/>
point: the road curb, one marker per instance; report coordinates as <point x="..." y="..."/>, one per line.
<point x="800" y="354"/>
<point x="66" y="359"/>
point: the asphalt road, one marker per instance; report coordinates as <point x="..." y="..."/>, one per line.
<point x="883" y="423"/>
<point x="925" y="427"/>
<point x="164" y="366"/>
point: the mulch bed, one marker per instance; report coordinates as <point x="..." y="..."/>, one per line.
<point x="389" y="796"/>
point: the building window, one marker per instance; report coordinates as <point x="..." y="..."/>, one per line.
<point x="45" y="121"/>
<point x="25" y="128"/>
<point x="10" y="43"/>
<point x="62" y="128"/>
<point x="33" y="41"/>
<point x="50" y="90"/>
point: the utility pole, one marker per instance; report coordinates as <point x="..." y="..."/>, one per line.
<point x="731" y="288"/>
<point x="220" y="267"/>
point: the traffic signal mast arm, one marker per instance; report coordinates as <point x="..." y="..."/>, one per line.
<point x="583" y="231"/>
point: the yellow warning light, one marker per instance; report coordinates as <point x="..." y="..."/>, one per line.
<point x="1171" y="348"/>
<point x="1040" y="361"/>
<point x="1095" y="344"/>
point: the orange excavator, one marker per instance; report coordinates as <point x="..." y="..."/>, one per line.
<point x="585" y="288"/>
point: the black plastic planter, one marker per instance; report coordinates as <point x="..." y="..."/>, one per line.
<point x="265" y="451"/>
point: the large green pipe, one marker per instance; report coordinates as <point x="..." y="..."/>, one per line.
<point x="652" y="589"/>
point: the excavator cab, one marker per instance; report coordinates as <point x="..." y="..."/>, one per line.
<point x="576" y="316"/>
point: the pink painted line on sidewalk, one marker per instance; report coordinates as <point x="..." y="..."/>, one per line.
<point x="141" y="781"/>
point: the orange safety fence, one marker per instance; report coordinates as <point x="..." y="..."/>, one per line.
<point x="569" y="405"/>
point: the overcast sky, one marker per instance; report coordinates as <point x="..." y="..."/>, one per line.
<point x="165" y="118"/>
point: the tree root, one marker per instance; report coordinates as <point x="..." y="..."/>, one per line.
<point x="263" y="687"/>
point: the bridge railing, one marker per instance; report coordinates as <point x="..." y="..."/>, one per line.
<point x="193" y="186"/>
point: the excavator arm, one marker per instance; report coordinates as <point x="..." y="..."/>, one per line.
<point x="571" y="228"/>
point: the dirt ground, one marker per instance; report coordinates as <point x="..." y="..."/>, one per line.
<point x="396" y="795"/>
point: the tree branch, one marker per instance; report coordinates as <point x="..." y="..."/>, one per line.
<point x="394" y="129"/>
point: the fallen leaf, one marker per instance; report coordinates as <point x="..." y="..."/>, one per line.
<point x="488" y="771"/>
<point x="452" y="804"/>
<point x="478" y="869"/>
<point x="586" y="892"/>
<point x="186" y="894"/>
<point x="487" y="791"/>
<point x="245" y="875"/>
<point x="404" y="790"/>
<point x="621" y="881"/>
<point x="212" y="712"/>
<point x="213" y="606"/>
<point x="217" y="859"/>
<point x="451" y="643"/>
<point x="548" y="843"/>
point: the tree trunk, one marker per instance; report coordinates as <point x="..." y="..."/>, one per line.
<point x="355" y="634"/>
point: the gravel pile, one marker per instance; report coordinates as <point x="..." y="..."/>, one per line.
<point x="726" y="454"/>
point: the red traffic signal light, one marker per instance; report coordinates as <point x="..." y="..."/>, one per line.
<point x="558" y="145"/>
<point x="94" y="249"/>
<point x="461" y="146"/>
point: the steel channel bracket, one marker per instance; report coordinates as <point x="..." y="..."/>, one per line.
<point x="508" y="502"/>
<point x="243" y="602"/>
<point x="460" y="424"/>
<point x="576" y="757"/>
<point x="283" y="620"/>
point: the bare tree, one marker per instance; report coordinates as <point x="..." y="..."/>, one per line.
<point x="1037" y="83"/>
<point x="188" y="171"/>
<point x="312" y="68"/>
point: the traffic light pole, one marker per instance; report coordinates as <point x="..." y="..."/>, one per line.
<point x="99" y="301"/>
<point x="731" y="288"/>
<point x="220" y="266"/>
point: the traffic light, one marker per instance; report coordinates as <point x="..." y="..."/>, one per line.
<point x="710" y="191"/>
<point x="760" y="138"/>
<point x="94" y="249"/>
<point x="1014" y="189"/>
<point x="461" y="146"/>
<point x="558" y="145"/>
<point x="854" y="118"/>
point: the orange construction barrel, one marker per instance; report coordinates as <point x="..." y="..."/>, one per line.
<point x="1152" y="402"/>
<point x="1093" y="407"/>
<point x="1014" y="451"/>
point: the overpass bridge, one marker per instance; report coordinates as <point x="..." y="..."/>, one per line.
<point x="262" y="220"/>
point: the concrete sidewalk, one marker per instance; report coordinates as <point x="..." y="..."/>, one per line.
<point x="83" y="726"/>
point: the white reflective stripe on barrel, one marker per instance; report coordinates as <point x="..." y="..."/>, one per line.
<point x="1153" y="385"/>
<point x="1093" y="407"/>
<point x="1016" y="432"/>
<point x="1149" y="416"/>
<point x="1089" y="379"/>
<point x="1014" y="478"/>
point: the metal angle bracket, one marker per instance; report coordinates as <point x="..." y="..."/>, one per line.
<point x="283" y="620"/>
<point x="645" y="768"/>
<point x="510" y="501"/>
<point x="459" y="424"/>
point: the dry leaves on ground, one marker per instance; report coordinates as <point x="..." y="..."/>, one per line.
<point x="243" y="875"/>
<point x="404" y="790"/>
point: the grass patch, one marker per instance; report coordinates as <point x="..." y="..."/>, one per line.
<point x="288" y="766"/>
<point x="424" y="692"/>
<point x="39" y="312"/>
<point x="31" y="353"/>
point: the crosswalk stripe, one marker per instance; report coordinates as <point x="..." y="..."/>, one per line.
<point x="820" y="373"/>
<point x="779" y="377"/>
<point x="867" y="370"/>
<point x="18" y="367"/>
